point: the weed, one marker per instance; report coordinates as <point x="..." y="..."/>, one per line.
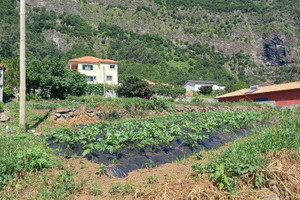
<point x="95" y="190"/>
<point x="100" y="169"/>
<point x="121" y="189"/>
<point x="152" y="179"/>
<point x="199" y="156"/>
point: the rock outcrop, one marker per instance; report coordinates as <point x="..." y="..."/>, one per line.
<point x="4" y="117"/>
<point x="274" y="52"/>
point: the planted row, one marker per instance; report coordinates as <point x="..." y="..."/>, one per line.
<point x="155" y="132"/>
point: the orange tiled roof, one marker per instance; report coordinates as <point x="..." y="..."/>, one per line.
<point x="265" y="89"/>
<point x="91" y="59"/>
<point x="149" y="82"/>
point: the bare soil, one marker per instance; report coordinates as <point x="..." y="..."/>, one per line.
<point x="177" y="181"/>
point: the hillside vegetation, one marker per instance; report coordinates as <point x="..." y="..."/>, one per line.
<point x="164" y="41"/>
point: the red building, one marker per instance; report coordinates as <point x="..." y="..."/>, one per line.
<point x="285" y="94"/>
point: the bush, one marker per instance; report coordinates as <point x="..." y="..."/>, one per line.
<point x="167" y="91"/>
<point x="7" y="94"/>
<point x="205" y="90"/>
<point x="132" y="87"/>
<point x="112" y="115"/>
<point x="157" y="104"/>
<point x="94" y="89"/>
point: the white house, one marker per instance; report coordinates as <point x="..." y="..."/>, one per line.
<point x="192" y="85"/>
<point x="95" y="69"/>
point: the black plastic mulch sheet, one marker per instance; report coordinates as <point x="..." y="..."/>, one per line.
<point x="128" y="160"/>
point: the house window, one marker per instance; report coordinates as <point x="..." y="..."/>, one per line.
<point x="87" y="67"/>
<point x="112" y="66"/>
<point x="91" y="78"/>
<point x="261" y="99"/>
<point x="109" y="78"/>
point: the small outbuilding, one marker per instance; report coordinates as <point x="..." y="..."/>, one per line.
<point x="193" y="85"/>
<point x="286" y="94"/>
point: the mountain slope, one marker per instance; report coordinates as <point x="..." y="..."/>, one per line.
<point x="233" y="42"/>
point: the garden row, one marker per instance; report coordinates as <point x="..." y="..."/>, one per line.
<point x="156" y="132"/>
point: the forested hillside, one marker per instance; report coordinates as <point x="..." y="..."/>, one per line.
<point x="234" y="42"/>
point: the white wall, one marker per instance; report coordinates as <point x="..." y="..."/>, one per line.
<point x="100" y="71"/>
<point x="110" y="72"/>
<point x="94" y="72"/>
<point x="218" y="87"/>
<point x="190" y="86"/>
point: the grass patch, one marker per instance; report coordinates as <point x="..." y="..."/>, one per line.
<point x="247" y="157"/>
<point x="22" y="153"/>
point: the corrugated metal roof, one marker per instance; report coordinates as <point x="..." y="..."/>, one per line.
<point x="91" y="59"/>
<point x="265" y="89"/>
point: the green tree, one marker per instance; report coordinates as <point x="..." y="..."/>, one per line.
<point x="53" y="80"/>
<point x="205" y="90"/>
<point x="132" y="87"/>
<point x="77" y="83"/>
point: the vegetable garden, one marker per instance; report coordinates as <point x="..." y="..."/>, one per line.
<point x="114" y="142"/>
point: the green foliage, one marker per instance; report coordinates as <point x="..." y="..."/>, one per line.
<point x="95" y="190"/>
<point x="248" y="156"/>
<point x="2" y="107"/>
<point x="168" y="91"/>
<point x="288" y="73"/>
<point x="132" y="87"/>
<point x="229" y="6"/>
<point x="20" y="154"/>
<point x="53" y="80"/>
<point x="205" y="90"/>
<point x="112" y="115"/>
<point x="94" y="89"/>
<point x="152" y="179"/>
<point x="121" y="189"/>
<point x="63" y="186"/>
<point x="155" y="132"/>
<point x="100" y="169"/>
<point x="7" y="94"/>
<point x="150" y="55"/>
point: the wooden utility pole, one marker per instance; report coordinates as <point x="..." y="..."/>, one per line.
<point x="22" y="67"/>
<point x="1" y="82"/>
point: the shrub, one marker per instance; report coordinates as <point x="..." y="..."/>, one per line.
<point x="132" y="87"/>
<point x="7" y="93"/>
<point x="205" y="90"/>
<point x="113" y="114"/>
<point x="94" y="89"/>
<point x="167" y="91"/>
